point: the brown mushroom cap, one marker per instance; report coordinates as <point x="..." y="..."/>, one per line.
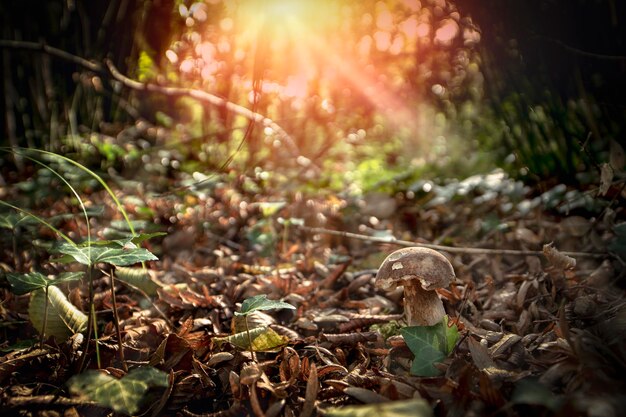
<point x="420" y="271"/>
<point x="431" y="268"/>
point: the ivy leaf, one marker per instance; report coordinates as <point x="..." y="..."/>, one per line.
<point x="261" y="302"/>
<point x="125" y="395"/>
<point x="62" y="318"/>
<point x="24" y="283"/>
<point x="269" y="208"/>
<point x="138" y="278"/>
<point x="430" y="345"/>
<point x="264" y="339"/>
<point x="417" y="407"/>
<point x="125" y="242"/>
<point x="90" y="255"/>
<point x="531" y="391"/>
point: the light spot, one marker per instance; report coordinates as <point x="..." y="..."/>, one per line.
<point x="396" y="266"/>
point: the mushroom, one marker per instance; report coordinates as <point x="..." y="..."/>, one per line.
<point x="420" y="270"/>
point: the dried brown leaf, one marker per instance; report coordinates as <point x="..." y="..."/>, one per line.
<point x="312" y="388"/>
<point x="365" y="395"/>
<point x="557" y="259"/>
<point x="606" y="178"/>
<point x="617" y="159"/>
<point x="480" y="354"/>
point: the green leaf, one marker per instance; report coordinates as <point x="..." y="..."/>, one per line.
<point x="125" y="242"/>
<point x="24" y="283"/>
<point x="417" y="407"/>
<point x="264" y="339"/>
<point x="63" y="318"/>
<point x="31" y="281"/>
<point x="269" y="208"/>
<point x="67" y="277"/>
<point x="261" y="302"/>
<point x="138" y="278"/>
<point x="618" y="243"/>
<point x="529" y="391"/>
<point x="9" y="220"/>
<point x="90" y="255"/>
<point x="430" y="345"/>
<point x="125" y="395"/>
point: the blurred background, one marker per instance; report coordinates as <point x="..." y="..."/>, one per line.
<point x="370" y="95"/>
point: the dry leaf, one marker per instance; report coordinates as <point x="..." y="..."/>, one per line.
<point x="312" y="388"/>
<point x="557" y="259"/>
<point x="617" y="158"/>
<point x="606" y="177"/>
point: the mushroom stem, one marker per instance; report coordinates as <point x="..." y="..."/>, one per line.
<point x="422" y="308"/>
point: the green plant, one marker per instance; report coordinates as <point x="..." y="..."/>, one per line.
<point x="119" y="252"/>
<point x="126" y="395"/>
<point x="65" y="318"/>
<point x="417" y="407"/>
<point x="430" y="345"/>
<point x="259" y="303"/>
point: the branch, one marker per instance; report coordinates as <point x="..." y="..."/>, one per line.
<point x="52" y="51"/>
<point x="200" y="95"/>
<point x="208" y="98"/>
<point x="451" y="249"/>
<point x="582" y="52"/>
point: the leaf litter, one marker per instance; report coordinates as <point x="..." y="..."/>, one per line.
<point x="537" y="334"/>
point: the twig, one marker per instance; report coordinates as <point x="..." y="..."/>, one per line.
<point x="116" y="322"/>
<point x="208" y="98"/>
<point x="464" y="250"/>
<point x="200" y="95"/>
<point x="50" y="50"/>
<point x="582" y="52"/>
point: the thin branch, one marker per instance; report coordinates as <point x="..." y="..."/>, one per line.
<point x="451" y="249"/>
<point x="208" y="98"/>
<point x="200" y="95"/>
<point x="50" y="50"/>
<point x="582" y="52"/>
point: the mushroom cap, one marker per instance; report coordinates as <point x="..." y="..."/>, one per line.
<point x="429" y="267"/>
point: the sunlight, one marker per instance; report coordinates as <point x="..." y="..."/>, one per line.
<point x="298" y="34"/>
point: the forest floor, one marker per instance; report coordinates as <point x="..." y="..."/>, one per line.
<point x="538" y="335"/>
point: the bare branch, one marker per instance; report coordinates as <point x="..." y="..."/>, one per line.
<point x="208" y="98"/>
<point x="200" y="95"/>
<point x="451" y="249"/>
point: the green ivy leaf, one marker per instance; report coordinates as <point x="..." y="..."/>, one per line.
<point x="408" y="408"/>
<point x="618" y="243"/>
<point x="269" y="208"/>
<point x="24" y="283"/>
<point x="114" y="255"/>
<point x="126" y="242"/>
<point x="261" y="302"/>
<point x="430" y="345"/>
<point x="125" y="395"/>
<point x="138" y="278"/>
<point x="62" y="318"/>
<point x="531" y="391"/>
<point x="264" y="339"/>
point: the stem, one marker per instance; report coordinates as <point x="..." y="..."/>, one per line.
<point x="45" y="319"/>
<point x="116" y="322"/>
<point x="95" y="334"/>
<point x="252" y="354"/>
<point x="422" y="308"/>
<point x="91" y="321"/>
<point x="16" y="258"/>
<point x="285" y="235"/>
